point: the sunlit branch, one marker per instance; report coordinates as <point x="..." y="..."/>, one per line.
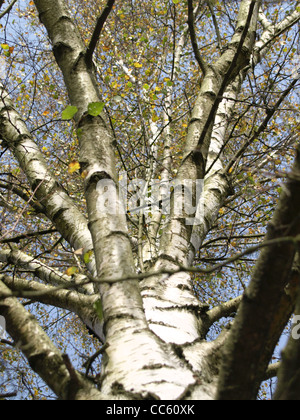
<point x="47" y="274"/>
<point x="272" y="370"/>
<point x="72" y="301"/>
<point x="224" y="310"/>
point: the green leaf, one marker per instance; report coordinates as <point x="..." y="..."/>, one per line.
<point x="95" y="108"/>
<point x="98" y="308"/>
<point x="87" y="257"/>
<point x="69" y="113"/>
<point x="79" y="132"/>
<point x="251" y="179"/>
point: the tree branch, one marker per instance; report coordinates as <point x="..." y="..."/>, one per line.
<point x="272" y="371"/>
<point x="270" y="114"/>
<point x="22" y="193"/>
<point x="8" y="395"/>
<point x="23" y="261"/>
<point x="222" y="311"/>
<point x="8" y="9"/>
<point x="232" y="72"/>
<point x="44" y="358"/>
<point x="218" y="33"/>
<point x="294" y="241"/>
<point x="191" y="23"/>
<point x="272" y="32"/>
<point x="98" y="29"/>
<point x="70" y="300"/>
<point x="28" y="235"/>
<point x="59" y="207"/>
<point x="267" y="304"/>
<point x="61" y="297"/>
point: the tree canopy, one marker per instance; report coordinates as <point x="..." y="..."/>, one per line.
<point x="149" y="199"/>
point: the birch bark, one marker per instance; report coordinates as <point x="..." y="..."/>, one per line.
<point x="147" y="361"/>
<point x="168" y="300"/>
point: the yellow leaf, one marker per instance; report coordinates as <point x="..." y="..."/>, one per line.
<point x="84" y="174"/>
<point x="74" y="166"/>
<point x="155" y="117"/>
<point x="138" y="65"/>
<point x="71" y="271"/>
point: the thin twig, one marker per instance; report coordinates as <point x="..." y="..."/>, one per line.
<point x="143" y="276"/>
<point x="270" y="114"/>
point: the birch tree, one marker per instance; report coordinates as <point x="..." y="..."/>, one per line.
<point x="112" y="115"/>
